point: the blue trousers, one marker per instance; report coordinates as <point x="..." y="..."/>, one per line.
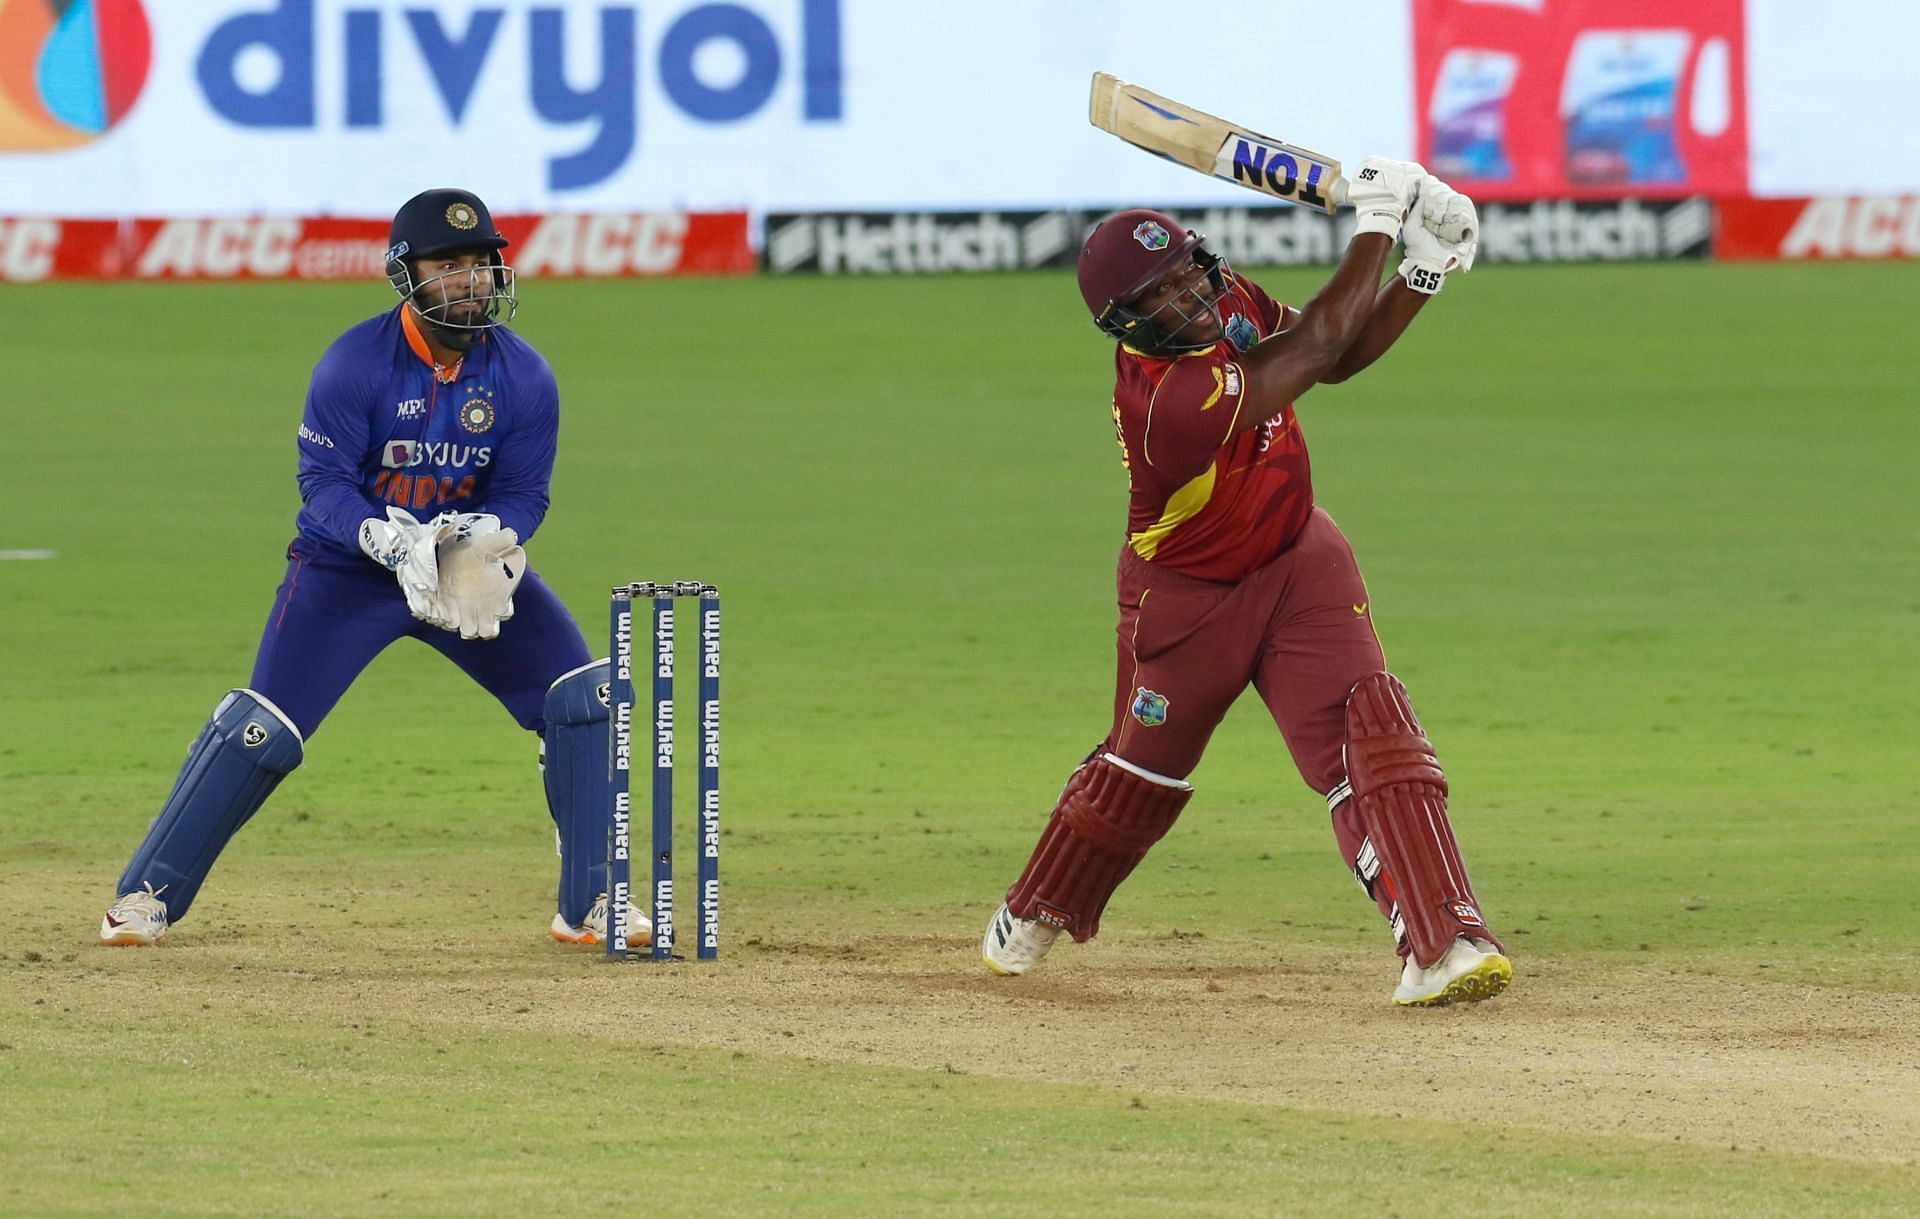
<point x="334" y="614"/>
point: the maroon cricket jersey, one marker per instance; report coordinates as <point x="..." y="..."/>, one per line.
<point x="1206" y="501"/>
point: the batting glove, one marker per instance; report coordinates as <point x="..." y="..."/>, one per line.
<point x="1382" y="192"/>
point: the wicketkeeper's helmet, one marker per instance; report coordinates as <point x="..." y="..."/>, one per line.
<point x="441" y="222"/>
<point x="1124" y="256"/>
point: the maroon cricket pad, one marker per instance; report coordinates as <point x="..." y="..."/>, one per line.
<point x="1402" y="795"/>
<point x="1106" y="821"/>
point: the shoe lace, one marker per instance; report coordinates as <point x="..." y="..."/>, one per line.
<point x="143" y="901"/>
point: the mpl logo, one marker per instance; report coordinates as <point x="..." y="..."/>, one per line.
<point x="240" y="87"/>
<point x="69" y="70"/>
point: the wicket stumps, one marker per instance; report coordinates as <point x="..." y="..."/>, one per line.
<point x="619" y="762"/>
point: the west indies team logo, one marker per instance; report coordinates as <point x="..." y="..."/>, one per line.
<point x="1151" y="234"/>
<point x="69" y="70"/>
<point x="1149" y="708"/>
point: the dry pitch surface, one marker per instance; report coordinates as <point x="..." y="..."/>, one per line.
<point x="1590" y="1049"/>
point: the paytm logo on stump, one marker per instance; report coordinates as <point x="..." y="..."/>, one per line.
<point x="561" y="93"/>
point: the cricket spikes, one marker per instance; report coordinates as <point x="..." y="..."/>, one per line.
<point x="593" y="928"/>
<point x="137" y="918"/>
<point x="1470" y="970"/>
<point x="1012" y="945"/>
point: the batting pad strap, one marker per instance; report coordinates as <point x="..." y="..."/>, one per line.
<point x="1402" y="796"/>
<point x="1108" y="817"/>
<point x="1144" y="773"/>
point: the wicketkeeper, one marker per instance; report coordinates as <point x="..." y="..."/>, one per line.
<point x="1231" y="577"/>
<point x="425" y="453"/>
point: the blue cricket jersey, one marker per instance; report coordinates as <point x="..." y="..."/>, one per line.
<point x="383" y="427"/>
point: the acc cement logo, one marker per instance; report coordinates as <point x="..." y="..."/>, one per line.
<point x="1149" y="708"/>
<point x="1151" y="234"/>
<point x="69" y="70"/>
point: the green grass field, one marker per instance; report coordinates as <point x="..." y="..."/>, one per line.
<point x="1641" y="541"/>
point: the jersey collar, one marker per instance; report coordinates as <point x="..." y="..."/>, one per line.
<point x="1146" y="355"/>
<point x="445" y="374"/>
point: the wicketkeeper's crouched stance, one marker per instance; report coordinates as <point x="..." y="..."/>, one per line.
<point x="1232" y="577"/>
<point x="434" y="408"/>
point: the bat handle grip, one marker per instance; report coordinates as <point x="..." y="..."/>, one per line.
<point x="1337" y="192"/>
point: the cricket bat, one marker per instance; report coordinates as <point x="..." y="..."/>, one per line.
<point x="1215" y="147"/>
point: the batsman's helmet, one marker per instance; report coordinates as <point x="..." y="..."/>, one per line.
<point x="442" y="221"/>
<point x="1126" y="254"/>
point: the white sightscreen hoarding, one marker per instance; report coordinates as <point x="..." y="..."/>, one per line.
<point x="345" y="106"/>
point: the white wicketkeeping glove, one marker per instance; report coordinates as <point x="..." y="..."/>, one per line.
<point x="410" y="550"/>
<point x="1429" y="258"/>
<point x="1448" y="214"/>
<point x="478" y="576"/>
<point x="471" y="524"/>
<point x="1382" y="192"/>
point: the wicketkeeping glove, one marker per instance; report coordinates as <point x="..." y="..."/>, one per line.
<point x="478" y="576"/>
<point x="410" y="550"/>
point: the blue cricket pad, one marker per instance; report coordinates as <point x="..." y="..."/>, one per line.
<point x="233" y="766"/>
<point x="578" y="792"/>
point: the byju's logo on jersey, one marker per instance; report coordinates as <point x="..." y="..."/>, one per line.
<point x="1149" y="708"/>
<point x="1151" y="234"/>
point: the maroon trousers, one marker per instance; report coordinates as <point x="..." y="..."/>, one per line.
<point x="1298" y="629"/>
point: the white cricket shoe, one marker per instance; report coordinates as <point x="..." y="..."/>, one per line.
<point x="593" y="928"/>
<point x="1014" y="945"/>
<point x="139" y="917"/>
<point x="1471" y="970"/>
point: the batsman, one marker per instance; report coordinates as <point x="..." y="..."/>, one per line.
<point x="425" y="453"/>
<point x="1230" y="576"/>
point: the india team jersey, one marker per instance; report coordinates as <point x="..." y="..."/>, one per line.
<point x="383" y="426"/>
<point x="1207" y="501"/>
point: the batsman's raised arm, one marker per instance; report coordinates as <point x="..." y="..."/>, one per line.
<point x="1281" y="368"/>
<point x="1422" y="272"/>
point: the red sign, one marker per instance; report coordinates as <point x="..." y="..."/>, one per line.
<point x="1882" y="226"/>
<point x="1584" y="99"/>
<point x="285" y="247"/>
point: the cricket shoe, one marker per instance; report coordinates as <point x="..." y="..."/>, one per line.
<point x="1014" y="945"/>
<point x="1470" y="971"/>
<point x="139" y="917"/>
<point x="593" y="928"/>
